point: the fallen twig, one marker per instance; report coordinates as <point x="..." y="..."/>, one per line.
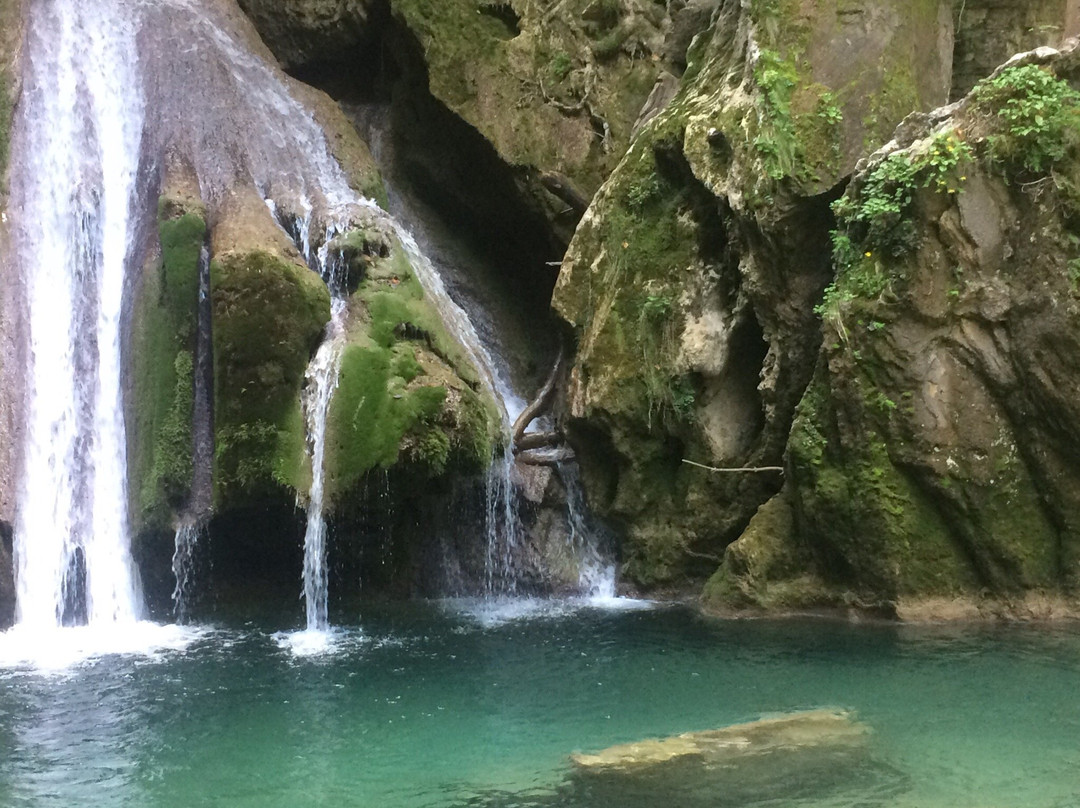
<point x="753" y="470"/>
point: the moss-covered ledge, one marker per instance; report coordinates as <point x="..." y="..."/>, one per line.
<point x="407" y="394"/>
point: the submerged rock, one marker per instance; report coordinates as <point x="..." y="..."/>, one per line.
<point x="786" y="734"/>
<point x="798" y="756"/>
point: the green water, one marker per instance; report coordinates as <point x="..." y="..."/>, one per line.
<point x="427" y="705"/>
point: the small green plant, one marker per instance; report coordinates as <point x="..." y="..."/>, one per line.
<point x="882" y="403"/>
<point x="944" y="161"/>
<point x="874" y="219"/>
<point x="561" y="65"/>
<point x="877" y="215"/>
<point x="1038" y="115"/>
<point x="608" y="46"/>
<point x="776" y="142"/>
<point x="655" y="308"/>
<point x="1073" y="272"/>
<point x="829" y="111"/>
<point x="641" y="192"/>
<point x="683" y="398"/>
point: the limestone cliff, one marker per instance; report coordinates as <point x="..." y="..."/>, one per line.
<point x="934" y="454"/>
<point x="692" y="280"/>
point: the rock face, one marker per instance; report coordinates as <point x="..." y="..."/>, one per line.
<point x="990" y="31"/>
<point x="555" y="89"/>
<point x="934" y="454"/>
<point x="311" y="30"/>
<point x="691" y="281"/>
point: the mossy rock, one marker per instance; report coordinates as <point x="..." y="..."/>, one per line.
<point x="691" y="282"/>
<point x="932" y="455"/>
<point x="407" y="393"/>
<point x="518" y="77"/>
<point x="269" y="315"/>
<point x="163" y="346"/>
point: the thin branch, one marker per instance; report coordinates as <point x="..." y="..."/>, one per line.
<point x="755" y="470"/>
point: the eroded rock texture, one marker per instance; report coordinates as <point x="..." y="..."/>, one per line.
<point x="692" y="280"/>
<point x="935" y="452"/>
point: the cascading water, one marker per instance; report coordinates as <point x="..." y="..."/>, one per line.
<point x="596" y="575"/>
<point x="81" y="121"/>
<point x="183" y="567"/>
<point x="321" y="379"/>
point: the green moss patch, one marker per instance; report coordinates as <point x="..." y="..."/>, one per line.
<point x="372" y="411"/>
<point x="163" y="348"/>
<point x="405" y="393"/>
<point x="269" y="315"/>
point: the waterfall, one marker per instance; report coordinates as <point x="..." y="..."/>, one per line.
<point x="596" y="575"/>
<point x="183" y="567"/>
<point x="321" y="380"/>
<point x="108" y="87"/>
<point x="73" y="193"/>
